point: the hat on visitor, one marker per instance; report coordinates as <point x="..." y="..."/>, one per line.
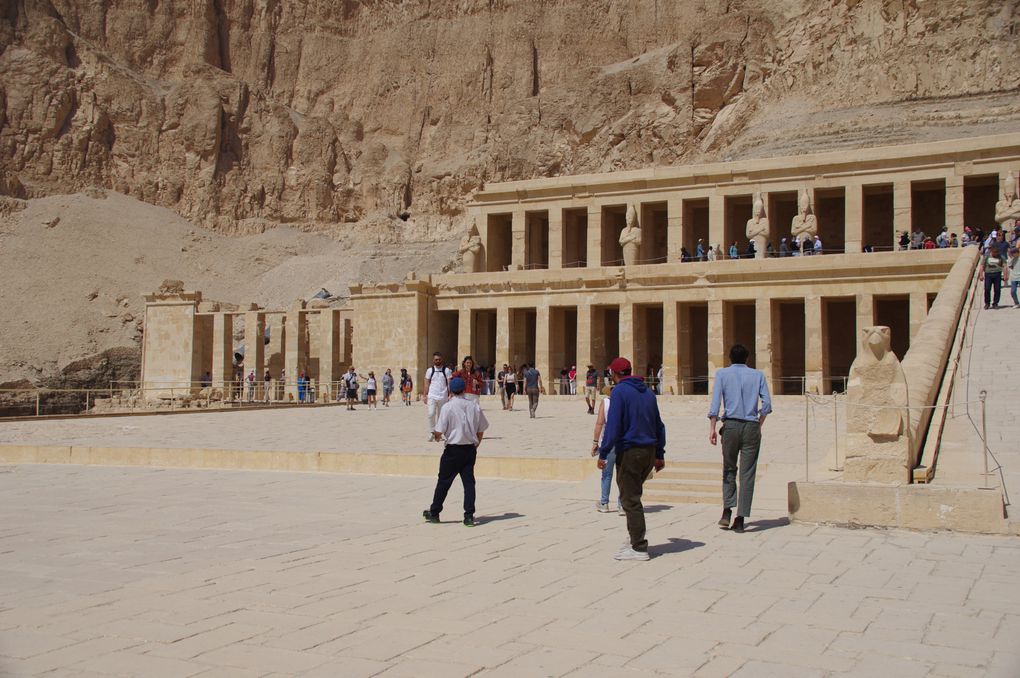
<point x="457" y="385"/>
<point x="619" y="365"/>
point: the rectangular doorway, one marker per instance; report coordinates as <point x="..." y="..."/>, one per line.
<point x="614" y="219"/>
<point x="789" y="341"/>
<point x="499" y="242"/>
<point x="523" y="325"/>
<point x="928" y="206"/>
<point x="605" y="335"/>
<point x="442" y="336"/>
<point x="695" y="226"/>
<point x="692" y="341"/>
<point x="739" y="328"/>
<point x="647" y="340"/>
<point x="562" y="345"/>
<point x="782" y="208"/>
<point x="654" y="233"/>
<point x="483" y="337"/>
<point x="830" y="207"/>
<point x="839" y="341"/>
<point x="877" y="229"/>
<point x="575" y="238"/>
<point x="737" y="211"/>
<point x="980" y="193"/>
<point x="536" y="239"/>
<point x="893" y="311"/>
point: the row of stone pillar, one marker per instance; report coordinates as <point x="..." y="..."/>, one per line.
<point x="854" y="221"/>
<point x="673" y="370"/>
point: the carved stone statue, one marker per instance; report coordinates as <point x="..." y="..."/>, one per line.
<point x="758" y="227"/>
<point x="804" y="224"/>
<point x="630" y="237"/>
<point x="878" y="421"/>
<point x="1007" y="210"/>
<point x="471" y="249"/>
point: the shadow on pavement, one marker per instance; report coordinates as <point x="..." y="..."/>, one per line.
<point x="675" y="546"/>
<point x="761" y="525"/>
<point x="655" y="508"/>
<point x="491" y="519"/>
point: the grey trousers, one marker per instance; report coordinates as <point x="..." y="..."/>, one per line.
<point x="740" y="439"/>
<point x="533" y="401"/>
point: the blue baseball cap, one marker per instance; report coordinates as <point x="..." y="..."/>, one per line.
<point x="457" y="385"/>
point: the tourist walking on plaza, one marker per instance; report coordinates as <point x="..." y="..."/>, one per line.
<point x="591" y="388"/>
<point x="510" y="384"/>
<point x="501" y="384"/>
<point x="607" y="472"/>
<point x="1013" y="274"/>
<point x="406" y="386"/>
<point x="990" y="272"/>
<point x="635" y="431"/>
<point x="351" y="387"/>
<point x="437" y="386"/>
<point x="738" y="390"/>
<point x="387" y="387"/>
<point x="473" y="382"/>
<point x="463" y="424"/>
<point x="533" y="387"/>
<point x="370" y="390"/>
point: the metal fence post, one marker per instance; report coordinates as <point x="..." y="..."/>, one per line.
<point x="806" y="435"/>
<point x="984" y="433"/>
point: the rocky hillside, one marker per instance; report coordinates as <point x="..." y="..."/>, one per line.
<point x="340" y="138"/>
<point x="237" y="114"/>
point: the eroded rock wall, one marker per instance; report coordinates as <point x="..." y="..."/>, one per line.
<point x="243" y="113"/>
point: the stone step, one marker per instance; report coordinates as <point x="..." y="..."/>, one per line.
<point x="671" y="473"/>
<point x="674" y="486"/>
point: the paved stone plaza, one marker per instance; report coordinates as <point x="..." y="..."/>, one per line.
<point x="145" y="572"/>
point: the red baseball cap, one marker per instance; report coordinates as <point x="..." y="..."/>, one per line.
<point x="620" y="365"/>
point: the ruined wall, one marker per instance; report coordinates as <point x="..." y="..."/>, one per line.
<point x="238" y="114"/>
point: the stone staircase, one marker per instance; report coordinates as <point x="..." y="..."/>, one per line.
<point x="687" y="482"/>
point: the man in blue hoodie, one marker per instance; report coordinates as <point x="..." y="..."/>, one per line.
<point x="635" y="429"/>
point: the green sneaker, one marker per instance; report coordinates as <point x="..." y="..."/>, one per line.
<point x="469" y="521"/>
<point x="429" y="518"/>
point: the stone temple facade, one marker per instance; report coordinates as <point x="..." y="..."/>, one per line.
<point x="576" y="270"/>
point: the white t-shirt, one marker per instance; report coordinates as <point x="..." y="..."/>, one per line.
<point x="439" y="382"/>
<point x="370" y="384"/>
<point x="460" y="421"/>
<point x="605" y="408"/>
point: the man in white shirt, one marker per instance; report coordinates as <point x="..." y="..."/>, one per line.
<point x="463" y="424"/>
<point x="437" y="387"/>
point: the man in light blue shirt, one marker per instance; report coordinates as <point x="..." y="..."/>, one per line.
<point x="738" y="388"/>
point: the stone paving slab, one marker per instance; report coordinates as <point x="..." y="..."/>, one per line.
<point x="135" y="571"/>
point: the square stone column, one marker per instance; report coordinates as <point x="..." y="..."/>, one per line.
<point x="716" y="232"/>
<point x="674" y="231"/>
<point x="294" y="356"/>
<point x="954" y="203"/>
<point x="223" y="350"/>
<point x="685" y="368"/>
<point x="854" y="218"/>
<point x="542" y="356"/>
<point x="670" y="348"/>
<point x="763" y="337"/>
<point x="594" y="236"/>
<point x="464" y="334"/>
<point x="918" y="312"/>
<point x="255" y="344"/>
<point x="329" y="356"/>
<point x="583" y="340"/>
<point x="518" y="239"/>
<point x="865" y="314"/>
<point x="813" y="345"/>
<point x="716" y="338"/>
<point x="627" y="335"/>
<point x="502" y="335"/>
<point x="901" y="209"/>
<point x="555" y="237"/>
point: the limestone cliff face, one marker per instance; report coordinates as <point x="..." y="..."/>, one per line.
<point x="242" y="113"/>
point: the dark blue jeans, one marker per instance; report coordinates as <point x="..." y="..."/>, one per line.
<point x="993" y="283"/>
<point x="456" y="460"/>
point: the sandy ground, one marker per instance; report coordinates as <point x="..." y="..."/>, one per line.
<point x="72" y="288"/>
